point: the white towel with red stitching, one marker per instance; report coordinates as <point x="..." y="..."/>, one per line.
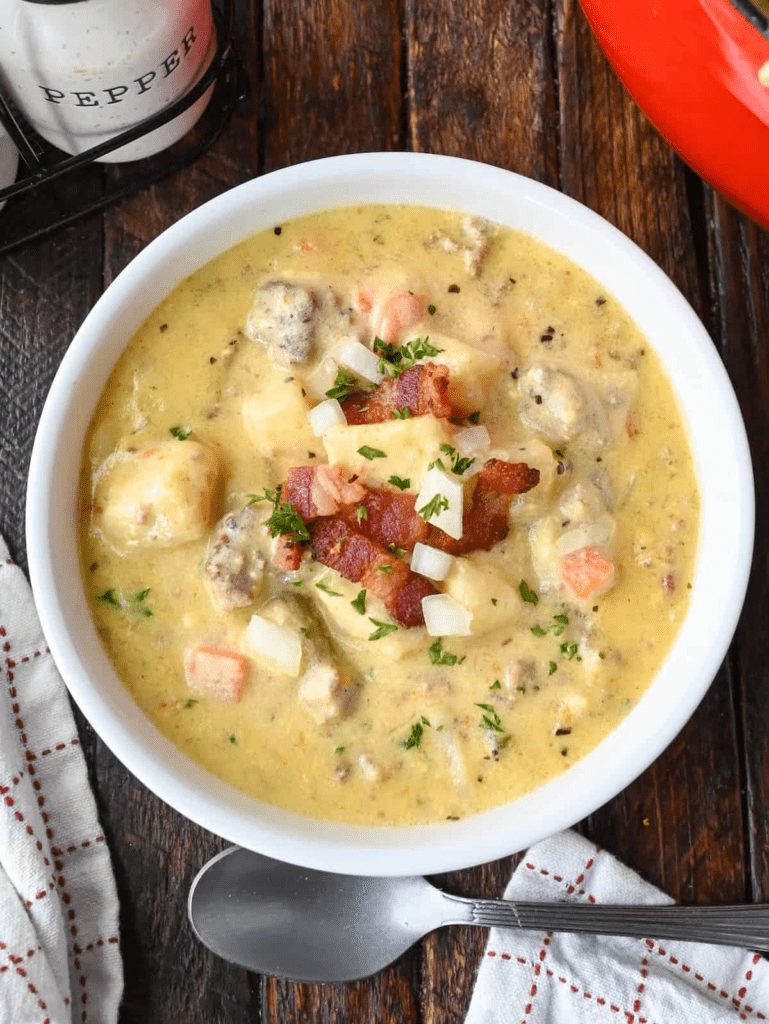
<point x="560" y="978"/>
<point x="59" y="951"/>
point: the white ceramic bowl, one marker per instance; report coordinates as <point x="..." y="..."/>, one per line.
<point x="716" y="435"/>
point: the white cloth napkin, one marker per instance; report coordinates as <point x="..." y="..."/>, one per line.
<point x="560" y="978"/>
<point x="59" y="945"/>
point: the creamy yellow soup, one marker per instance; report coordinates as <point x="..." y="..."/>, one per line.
<point x="333" y="708"/>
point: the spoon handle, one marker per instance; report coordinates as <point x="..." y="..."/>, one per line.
<point x="744" y="925"/>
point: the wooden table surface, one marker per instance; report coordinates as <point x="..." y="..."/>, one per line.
<point x="517" y="83"/>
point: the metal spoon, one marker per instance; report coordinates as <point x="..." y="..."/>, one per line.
<point x="292" y="922"/>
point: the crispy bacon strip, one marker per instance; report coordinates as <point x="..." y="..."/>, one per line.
<point x="422" y="390"/>
<point x="484" y="523"/>
<point x="390" y="518"/>
<point x="336" y="543"/>
<point x="506" y="477"/>
<point x="320" y="491"/>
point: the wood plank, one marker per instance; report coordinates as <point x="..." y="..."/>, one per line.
<point x="480" y="85"/>
<point x="681" y="823"/>
<point x="740" y="272"/>
<point x="332" y="85"/>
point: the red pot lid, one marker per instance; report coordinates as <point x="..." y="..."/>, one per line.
<point x="695" y="69"/>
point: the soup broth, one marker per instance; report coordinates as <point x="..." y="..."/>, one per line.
<point x="352" y="357"/>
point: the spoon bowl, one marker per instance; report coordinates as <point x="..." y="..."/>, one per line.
<point x="287" y="921"/>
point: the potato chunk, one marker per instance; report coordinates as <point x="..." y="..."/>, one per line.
<point x="407" y="446"/>
<point x="491" y="599"/>
<point x="158" y="498"/>
<point x="323" y="693"/>
<point x="275" y="419"/>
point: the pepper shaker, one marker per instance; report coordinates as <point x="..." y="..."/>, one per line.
<point x="82" y="71"/>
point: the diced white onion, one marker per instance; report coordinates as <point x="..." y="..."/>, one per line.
<point x="589" y="535"/>
<point x="360" y="360"/>
<point x="431" y="562"/>
<point x="278" y="644"/>
<point x="471" y="440"/>
<point x="446" y="617"/>
<point x="322" y="377"/>
<point x="325" y="416"/>
<point x="436" y="483"/>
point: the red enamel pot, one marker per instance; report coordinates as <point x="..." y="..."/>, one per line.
<point x="697" y="69"/>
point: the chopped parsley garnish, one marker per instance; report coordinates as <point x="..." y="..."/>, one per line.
<point x="371" y="453"/>
<point x="496" y="685"/>
<point x="307" y="632"/>
<point x="311" y="455"/>
<point x="475" y="417"/>
<point x="538" y="631"/>
<point x="181" y="433"/>
<point x="297" y="583"/>
<point x="556" y="630"/>
<point x="233" y="739"/>
<point x="415" y="736"/>
<point x="494" y="601"/>
<point x="359" y="604"/>
<point x="272" y="496"/>
<point x="140" y="598"/>
<point x="116" y="600"/>
<point x="434" y="507"/>
<point x="402" y="414"/>
<point x="361" y="512"/>
<point x="562" y="618"/>
<point x="438" y="656"/>
<point x="527" y="593"/>
<point x="323" y="585"/>
<point x="383" y="629"/>
<point x="425" y="721"/>
<point x="568" y="650"/>
<point x="491" y="719"/>
<point x="398" y="552"/>
<point x="436" y="462"/>
<point x="285" y="521"/>
<point x="395" y="360"/>
<point x="386" y="569"/>
<point x="553" y="668"/>
<point x="601" y="655"/>
<point x="431" y="309"/>
<point x="459" y="465"/>
<point x="190" y="703"/>
<point x="343" y="385"/>
<point x="558" y="452"/>
<point x="400" y="482"/>
<point x="338" y="750"/>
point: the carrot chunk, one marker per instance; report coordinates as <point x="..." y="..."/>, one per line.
<point x="217" y="672"/>
<point x="587" y="572"/>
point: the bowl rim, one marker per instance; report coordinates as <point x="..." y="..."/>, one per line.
<point x="707" y="403"/>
